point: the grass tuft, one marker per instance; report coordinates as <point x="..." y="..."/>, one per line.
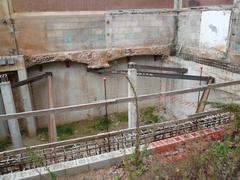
<point x="4" y="144"/>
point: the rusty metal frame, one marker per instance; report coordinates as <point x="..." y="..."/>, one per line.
<point x="31" y="80"/>
<point x="160" y="75"/>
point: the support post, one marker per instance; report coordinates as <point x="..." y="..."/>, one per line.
<point x="27" y="103"/>
<point x="52" y="130"/>
<point x="10" y="109"/>
<point x="236" y="1"/>
<point x="204" y="98"/>
<point x="177" y="4"/>
<point x="132" y="114"/>
<point x="3" y="124"/>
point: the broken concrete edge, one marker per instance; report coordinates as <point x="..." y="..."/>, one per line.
<point x="99" y="58"/>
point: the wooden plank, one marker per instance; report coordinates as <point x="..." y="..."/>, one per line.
<point x="204" y="98"/>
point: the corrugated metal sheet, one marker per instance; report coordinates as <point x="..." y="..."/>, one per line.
<point x="86" y="5"/>
<point x="194" y="3"/>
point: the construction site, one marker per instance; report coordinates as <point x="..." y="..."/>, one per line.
<point x="110" y="90"/>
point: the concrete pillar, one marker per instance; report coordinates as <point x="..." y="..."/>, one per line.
<point x="236" y="1"/>
<point x="52" y="130"/>
<point x="3" y="124"/>
<point x="10" y="108"/>
<point x="132" y="75"/>
<point x="177" y="4"/>
<point x="27" y="103"/>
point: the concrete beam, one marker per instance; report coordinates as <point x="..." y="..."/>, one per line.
<point x="132" y="109"/>
<point x="10" y="108"/>
<point x="96" y="58"/>
<point x="18" y="65"/>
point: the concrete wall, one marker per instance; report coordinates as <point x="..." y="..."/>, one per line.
<point x="194" y="3"/>
<point x="74" y="85"/>
<point x="139" y="28"/>
<point x="189" y="37"/>
<point x="204" y="33"/>
<point x="40" y="33"/>
<point x="234" y="52"/>
<point x="184" y="105"/>
<point x="52" y="33"/>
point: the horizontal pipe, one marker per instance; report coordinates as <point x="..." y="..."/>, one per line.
<point x="46" y="112"/>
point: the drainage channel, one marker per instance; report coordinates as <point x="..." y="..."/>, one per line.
<point x="49" y="154"/>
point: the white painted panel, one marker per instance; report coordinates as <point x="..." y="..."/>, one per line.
<point x="214" y="30"/>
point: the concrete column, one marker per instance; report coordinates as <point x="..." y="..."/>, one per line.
<point x="52" y="130"/>
<point x="177" y="4"/>
<point x="10" y="108"/>
<point x="27" y="103"/>
<point x="236" y="1"/>
<point x="3" y="124"/>
<point x="132" y="115"/>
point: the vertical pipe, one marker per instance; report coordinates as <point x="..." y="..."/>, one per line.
<point x="52" y="130"/>
<point x="200" y="83"/>
<point x="106" y="112"/>
<point x="132" y="110"/>
<point x="106" y="106"/>
<point x="10" y="109"/>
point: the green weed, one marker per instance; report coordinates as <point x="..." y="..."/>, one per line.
<point x="4" y="144"/>
<point x="100" y="124"/>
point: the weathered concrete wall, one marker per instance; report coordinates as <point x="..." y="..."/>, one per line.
<point x="204" y="33"/>
<point x="74" y="85"/>
<point x="7" y="44"/>
<point x="44" y="33"/>
<point x="194" y="3"/>
<point x="189" y="29"/>
<point x="184" y="105"/>
<point x="139" y="28"/>
<point x="234" y="52"/>
<point x="53" y="33"/>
